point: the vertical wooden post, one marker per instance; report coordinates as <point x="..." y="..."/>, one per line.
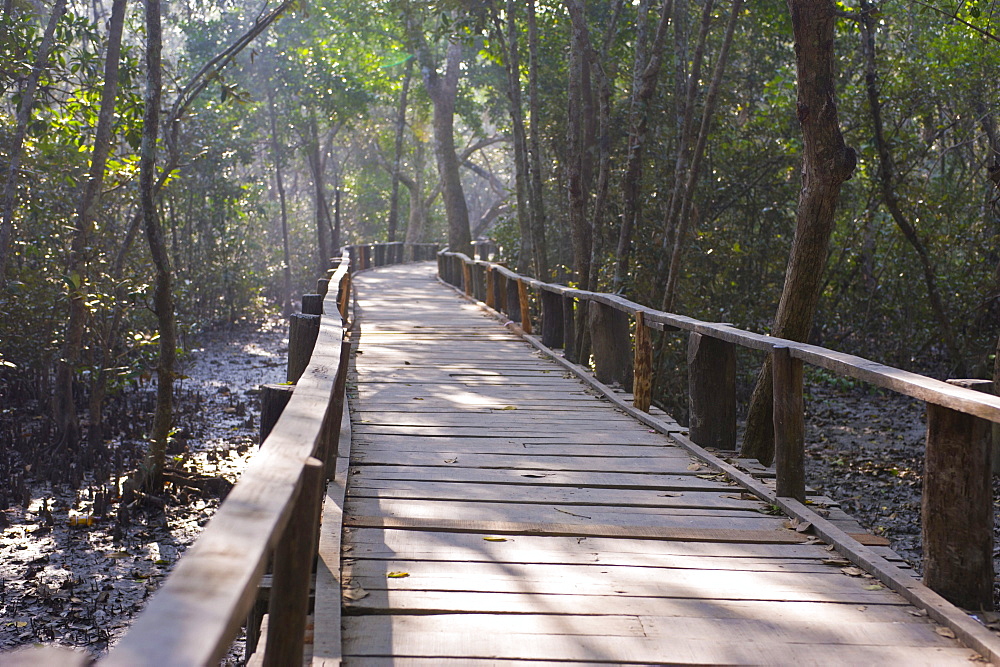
<point x="466" y="279"/>
<point x="490" y="301"/>
<point x="789" y="425"/>
<point x="302" y="332"/>
<point x="293" y="560"/>
<point x="552" y="319"/>
<point x="569" y="329"/>
<point x="524" y="306"/>
<point x="273" y="399"/>
<point x="957" y="506"/>
<point x="345" y="295"/>
<point x="513" y="300"/>
<point x="323" y="286"/>
<point x="380" y="254"/>
<point x="642" y="386"/>
<point x="611" y="344"/>
<point x="499" y="291"/>
<point x="712" y="391"/>
<point x="312" y="304"/>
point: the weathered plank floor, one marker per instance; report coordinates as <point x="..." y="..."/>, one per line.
<point x="499" y="512"/>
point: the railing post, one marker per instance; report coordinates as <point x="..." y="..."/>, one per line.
<point x="957" y="505"/>
<point x="312" y="304"/>
<point x="642" y="385"/>
<point x="302" y="333"/>
<point x="569" y="329"/>
<point x="499" y="291"/>
<point x="513" y="300"/>
<point x="712" y="391"/>
<point x="611" y="344"/>
<point x="479" y="282"/>
<point x="293" y="559"/>
<point x="552" y="319"/>
<point x="789" y="425"/>
<point x="490" y="300"/>
<point x="466" y="279"/>
<point x="344" y="295"/>
<point x="524" y="306"/>
<point x="322" y="286"/>
<point x="380" y="254"/>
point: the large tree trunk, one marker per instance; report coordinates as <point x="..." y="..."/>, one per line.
<point x="63" y="403"/>
<point x="8" y="200"/>
<point x="442" y="88"/>
<point x="398" y="151"/>
<point x="537" y="213"/>
<point x="163" y="300"/>
<point x="826" y="163"/>
<point x="887" y="181"/>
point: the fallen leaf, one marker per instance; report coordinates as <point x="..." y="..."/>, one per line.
<point x="455" y="460"/>
<point x="852" y="571"/>
<point x="917" y="612"/>
<point x="398" y="575"/>
<point x="874" y="587"/>
<point x="803" y="527"/>
<point x="533" y="475"/>
<point x="862" y="608"/>
<point x="117" y="554"/>
<point x="491" y="538"/>
<point x="840" y="562"/>
<point x="670" y="495"/>
<point x="509" y="407"/>
<point x="694" y="466"/>
<point x="945" y="632"/>
<point x="417" y="398"/>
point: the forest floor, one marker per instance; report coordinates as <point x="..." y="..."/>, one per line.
<point x="65" y="582"/>
<point x="80" y="585"/>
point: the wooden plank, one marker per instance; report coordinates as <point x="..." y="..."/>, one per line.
<point x="362" y="474"/>
<point x="765" y="532"/>
<point x="914" y="632"/>
<point x="536" y="461"/>
<point x="550" y="495"/>
<point x="648" y="650"/>
<point x="474" y="546"/>
<point x="604" y="579"/>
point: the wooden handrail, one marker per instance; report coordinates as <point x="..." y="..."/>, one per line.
<point x="196" y="614"/>
<point x="956" y="484"/>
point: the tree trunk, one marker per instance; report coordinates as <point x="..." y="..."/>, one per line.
<point x="319" y="196"/>
<point x="536" y="199"/>
<point x="581" y="233"/>
<point x="442" y="88"/>
<point x="682" y="222"/>
<point x="163" y="300"/>
<point x="826" y="163"/>
<point x="646" y="73"/>
<point x="63" y="403"/>
<point x="887" y="178"/>
<point x="512" y="65"/>
<point x="398" y="151"/>
<point x="9" y="197"/>
<point x="279" y="181"/>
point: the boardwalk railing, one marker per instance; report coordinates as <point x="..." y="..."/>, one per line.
<point x="270" y="515"/>
<point x="957" y="484"/>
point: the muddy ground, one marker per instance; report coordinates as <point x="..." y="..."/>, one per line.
<point x="71" y="580"/>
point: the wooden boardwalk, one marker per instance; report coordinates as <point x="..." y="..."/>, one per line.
<point x="499" y="511"/>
